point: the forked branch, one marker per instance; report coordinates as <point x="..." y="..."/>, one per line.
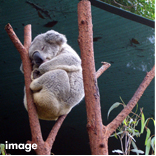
<point x="44" y="147"/>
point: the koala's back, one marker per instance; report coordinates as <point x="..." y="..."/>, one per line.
<point x="76" y="87"/>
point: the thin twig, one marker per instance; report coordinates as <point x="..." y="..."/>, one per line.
<point x="103" y="68"/>
<point x="52" y="135"/>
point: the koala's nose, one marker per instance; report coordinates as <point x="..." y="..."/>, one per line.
<point x="37" y="58"/>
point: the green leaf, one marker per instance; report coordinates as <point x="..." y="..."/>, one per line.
<point x="117" y="151"/>
<point x="153" y="143"/>
<point x="147" y="135"/>
<point x="147" y="120"/>
<point x="131" y="137"/>
<point x="134" y="146"/>
<point x="116" y="136"/>
<point x="142" y="122"/>
<point x="135" y="132"/>
<point x="153" y="121"/>
<point x="117" y="133"/>
<point x="2" y="147"/>
<point x="147" y="149"/>
<point x="137" y="151"/>
<point x="115" y="105"/>
<point x="124" y="122"/>
<point x="122" y="101"/>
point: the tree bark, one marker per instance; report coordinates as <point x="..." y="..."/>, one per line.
<point x="98" y="133"/>
<point x="131" y="104"/>
<point x="43" y="147"/>
<point x="98" y="141"/>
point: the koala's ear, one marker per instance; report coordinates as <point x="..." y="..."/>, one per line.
<point x="55" y="37"/>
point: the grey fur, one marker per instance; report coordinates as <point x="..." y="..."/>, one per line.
<point x="58" y="84"/>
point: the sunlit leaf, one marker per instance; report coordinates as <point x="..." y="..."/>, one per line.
<point x="115" y="105"/>
<point x="134" y="146"/>
<point x="148" y="145"/>
<point x="117" y="151"/>
<point x="124" y="122"/>
<point x="2" y="147"/>
<point x="131" y="137"/>
<point x="135" y="132"/>
<point x="153" y="143"/>
<point x="142" y="122"/>
<point x="122" y="101"/>
<point x="147" y="135"/>
<point x="145" y="124"/>
<point x="116" y="136"/>
<point x="117" y="133"/>
<point x="145" y="8"/>
<point x="137" y="123"/>
<point x="153" y="121"/>
<point x="137" y="151"/>
<point x="131" y="120"/>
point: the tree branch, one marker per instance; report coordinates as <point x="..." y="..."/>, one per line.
<point x="43" y="147"/>
<point x="103" y="68"/>
<point x="27" y="68"/>
<point x="52" y="135"/>
<point x="131" y="104"/>
<point x="27" y="36"/>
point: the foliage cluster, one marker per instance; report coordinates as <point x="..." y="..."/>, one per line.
<point x="128" y="130"/>
<point x="145" y="8"/>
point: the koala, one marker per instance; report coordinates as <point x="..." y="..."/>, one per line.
<point x="57" y="82"/>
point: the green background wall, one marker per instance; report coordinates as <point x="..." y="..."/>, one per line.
<point x="112" y="43"/>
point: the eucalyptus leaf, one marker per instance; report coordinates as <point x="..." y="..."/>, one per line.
<point x="153" y="143"/>
<point x="153" y="121"/>
<point x="117" y="133"/>
<point x="142" y="123"/>
<point x="148" y="145"/>
<point x="116" y="136"/>
<point x="131" y="137"/>
<point x="124" y="122"/>
<point x="135" y="132"/>
<point x="2" y="149"/>
<point x="142" y="127"/>
<point x="137" y="151"/>
<point x="115" y="105"/>
<point x="147" y="135"/>
<point x="135" y="146"/>
<point x="117" y="151"/>
<point x="122" y="101"/>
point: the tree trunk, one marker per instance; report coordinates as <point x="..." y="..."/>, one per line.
<point x="98" y="141"/>
<point x="98" y="133"/>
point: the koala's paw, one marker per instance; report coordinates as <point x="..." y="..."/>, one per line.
<point x="35" y="74"/>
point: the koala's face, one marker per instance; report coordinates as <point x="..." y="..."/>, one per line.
<point x="45" y="47"/>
